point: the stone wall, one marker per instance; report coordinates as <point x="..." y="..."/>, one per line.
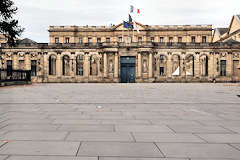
<point x="155" y="62"/>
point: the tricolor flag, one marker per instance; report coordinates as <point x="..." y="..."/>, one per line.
<point x="131" y="9"/>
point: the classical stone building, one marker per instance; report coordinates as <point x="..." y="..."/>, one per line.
<point x="115" y="54"/>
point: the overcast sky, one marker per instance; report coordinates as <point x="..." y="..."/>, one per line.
<point x="37" y="15"/>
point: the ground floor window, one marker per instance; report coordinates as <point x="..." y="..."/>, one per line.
<point x="162" y="71"/>
<point x="33" y="68"/>
<point x="79" y="65"/>
<point x="9" y="67"/>
<point x="52" y="65"/>
<point x="223" y="67"/>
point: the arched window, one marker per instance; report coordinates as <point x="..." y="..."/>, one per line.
<point x="52" y="65"/>
<point x="162" y="65"/>
<point x="79" y="65"/>
<point x="93" y="66"/>
<point x="176" y="68"/>
<point x="204" y="65"/>
<point x="189" y="65"/>
<point x="66" y="65"/>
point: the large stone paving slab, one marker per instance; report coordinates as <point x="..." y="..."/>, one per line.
<point x="100" y="136"/>
<point x="143" y="128"/>
<point x="3" y="157"/>
<point x="221" y="138"/>
<point x="35" y="135"/>
<point x="160" y="137"/>
<point x="119" y="149"/>
<point x="40" y="148"/>
<point x="198" y="129"/>
<point x="186" y="150"/>
<point x="88" y="128"/>
<point x="50" y="158"/>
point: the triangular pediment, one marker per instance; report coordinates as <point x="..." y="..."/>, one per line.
<point x="120" y="27"/>
<point x="235" y="24"/>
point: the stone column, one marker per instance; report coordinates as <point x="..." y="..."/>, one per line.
<point x="27" y="61"/>
<point x="45" y="66"/>
<point x="150" y="66"/>
<point x="211" y="65"/>
<point x="169" y="66"/>
<point x="229" y="64"/>
<point x="59" y="65"/>
<point x="105" y="64"/>
<point x="139" y="65"/>
<point x="86" y="66"/>
<point x="15" y="61"/>
<point x="196" y="66"/>
<point x="116" y="66"/>
<point x="73" y="64"/>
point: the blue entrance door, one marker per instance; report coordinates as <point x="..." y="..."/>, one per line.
<point x="128" y="69"/>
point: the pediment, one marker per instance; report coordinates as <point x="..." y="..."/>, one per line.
<point x="235" y="24"/>
<point x="120" y="27"/>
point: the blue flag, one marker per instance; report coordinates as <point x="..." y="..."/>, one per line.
<point x="130" y="19"/>
<point x="127" y="25"/>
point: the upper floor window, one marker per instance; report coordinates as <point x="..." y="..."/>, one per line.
<point x="161" y="40"/>
<point x="193" y="39"/>
<point x="152" y="39"/>
<point x="67" y="40"/>
<point x="179" y="39"/>
<point x="98" y="40"/>
<point x="89" y="40"/>
<point x="171" y="39"/>
<point x="119" y="39"/>
<point x="56" y="40"/>
<point x="80" y="40"/>
<point x="204" y="39"/>
<point x="139" y="39"/>
<point x="108" y="40"/>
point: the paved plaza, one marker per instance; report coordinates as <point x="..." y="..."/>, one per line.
<point x="120" y="122"/>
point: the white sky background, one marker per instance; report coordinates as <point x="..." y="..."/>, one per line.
<point x="37" y="15"/>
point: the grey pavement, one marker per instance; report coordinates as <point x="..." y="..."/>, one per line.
<point x="120" y="122"/>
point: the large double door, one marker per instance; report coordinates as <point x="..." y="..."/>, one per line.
<point x="128" y="69"/>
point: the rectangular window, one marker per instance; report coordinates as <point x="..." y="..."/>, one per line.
<point x="119" y="39"/>
<point x="204" y="39"/>
<point x="161" y="40"/>
<point x="56" y="40"/>
<point x="89" y="40"/>
<point x="9" y="67"/>
<point x="21" y="65"/>
<point x="33" y="67"/>
<point x="67" y="40"/>
<point x="161" y="71"/>
<point x="152" y="39"/>
<point x="179" y="39"/>
<point x="108" y="40"/>
<point x="223" y="67"/>
<point x="171" y="39"/>
<point x="80" y="40"/>
<point x="98" y="40"/>
<point x="193" y="39"/>
<point x="139" y="39"/>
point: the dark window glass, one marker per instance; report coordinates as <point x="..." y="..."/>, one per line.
<point x="171" y="39"/>
<point x="161" y="71"/>
<point x="179" y="39"/>
<point x="67" y="40"/>
<point x="161" y="39"/>
<point x="89" y="40"/>
<point x="80" y="40"/>
<point x="152" y="39"/>
<point x="9" y="67"/>
<point x="139" y="39"/>
<point x="52" y="65"/>
<point x="193" y="39"/>
<point x="204" y="39"/>
<point x="56" y="40"/>
<point x="223" y="67"/>
<point x="79" y="67"/>
<point x="119" y="39"/>
<point x="98" y="40"/>
<point x="108" y="40"/>
<point x="34" y="68"/>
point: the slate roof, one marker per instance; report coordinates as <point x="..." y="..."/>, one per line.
<point x="26" y="41"/>
<point x="222" y="30"/>
<point x="232" y="41"/>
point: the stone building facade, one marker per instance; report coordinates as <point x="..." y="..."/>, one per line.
<point x="114" y="54"/>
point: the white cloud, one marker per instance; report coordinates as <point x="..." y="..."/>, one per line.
<point x="37" y="15"/>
